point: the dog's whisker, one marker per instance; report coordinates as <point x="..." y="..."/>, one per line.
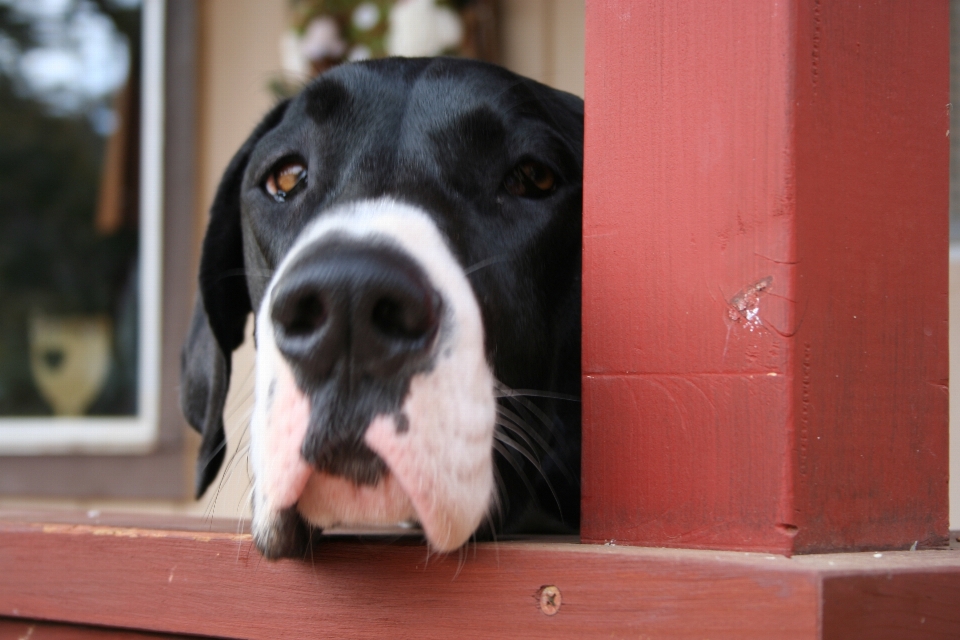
<point x="242" y="396"/>
<point x="241" y="450"/>
<point x="519" y="401"/>
<point x="522" y="427"/>
<point x="501" y="501"/>
<point x="239" y="453"/>
<point x="470" y="544"/>
<point x="503" y="257"/>
<point x="210" y="457"/>
<point x="461" y="562"/>
<point x="239" y="429"/>
<point x="505" y="453"/>
<point x="239" y="417"/>
<point x="512" y="421"/>
<point x="212" y="506"/>
<point x="245" y="497"/>
<point x="237" y="425"/>
<point x="510" y="442"/>
<point x="242" y="273"/>
<point x="313" y="563"/>
<point x="488" y="519"/>
<point x="506" y="392"/>
<point x="549" y="451"/>
<point x="529" y="455"/>
<point x="527" y="444"/>
<point x="268" y="273"/>
<point x="522" y="404"/>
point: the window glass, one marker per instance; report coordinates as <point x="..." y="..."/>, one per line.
<point x="69" y="207"/>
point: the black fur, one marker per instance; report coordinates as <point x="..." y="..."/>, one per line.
<point x="441" y="134"/>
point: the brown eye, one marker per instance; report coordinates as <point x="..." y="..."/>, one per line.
<point x="530" y="179"/>
<point x="284" y="179"/>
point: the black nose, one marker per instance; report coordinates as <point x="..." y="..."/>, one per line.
<point x="368" y="307"/>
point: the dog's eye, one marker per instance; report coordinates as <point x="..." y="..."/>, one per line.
<point x="530" y="179"/>
<point x="284" y="178"/>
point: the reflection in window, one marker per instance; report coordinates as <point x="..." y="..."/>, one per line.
<point x="69" y="174"/>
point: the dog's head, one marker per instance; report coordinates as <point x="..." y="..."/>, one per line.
<point x="407" y="234"/>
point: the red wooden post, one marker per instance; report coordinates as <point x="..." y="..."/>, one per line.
<point x="765" y="274"/>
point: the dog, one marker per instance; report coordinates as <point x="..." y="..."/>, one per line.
<point x="407" y="233"/>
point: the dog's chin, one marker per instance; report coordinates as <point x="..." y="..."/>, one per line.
<point x="329" y="501"/>
<point x="411" y="494"/>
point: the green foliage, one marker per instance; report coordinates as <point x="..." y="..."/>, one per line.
<point x="341" y="11"/>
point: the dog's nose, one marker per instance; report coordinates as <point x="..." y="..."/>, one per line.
<point x="370" y="307"/>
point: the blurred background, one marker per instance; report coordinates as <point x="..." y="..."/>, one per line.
<point x="71" y="235"/>
<point x="69" y="186"/>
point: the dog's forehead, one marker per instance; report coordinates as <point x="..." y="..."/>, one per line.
<point x="408" y="99"/>
<point x="404" y="115"/>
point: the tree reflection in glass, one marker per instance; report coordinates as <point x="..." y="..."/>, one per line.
<point x="69" y="186"/>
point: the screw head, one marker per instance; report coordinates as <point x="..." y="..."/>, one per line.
<point x="549" y="600"/>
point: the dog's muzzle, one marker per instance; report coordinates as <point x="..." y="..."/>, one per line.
<point x="374" y="398"/>
<point x="354" y="322"/>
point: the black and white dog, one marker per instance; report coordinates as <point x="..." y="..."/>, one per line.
<point x="407" y="233"/>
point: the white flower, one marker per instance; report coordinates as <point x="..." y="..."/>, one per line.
<point x="366" y="16"/>
<point x="294" y="64"/>
<point x="359" y="52"/>
<point x="421" y="28"/>
<point x="322" y="40"/>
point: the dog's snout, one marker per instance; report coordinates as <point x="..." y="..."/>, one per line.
<point x="368" y="306"/>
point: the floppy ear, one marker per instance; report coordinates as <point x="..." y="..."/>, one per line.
<point x="219" y="314"/>
<point x="204" y="380"/>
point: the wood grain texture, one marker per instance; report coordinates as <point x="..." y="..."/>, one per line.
<point x="39" y="630"/>
<point x="765" y="296"/>
<point x="216" y="584"/>
<point x="213" y="582"/>
<point x="886" y="607"/>
<point x="872" y="185"/>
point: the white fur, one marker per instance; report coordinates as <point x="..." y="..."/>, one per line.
<point x="441" y="469"/>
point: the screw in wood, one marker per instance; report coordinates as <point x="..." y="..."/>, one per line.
<point x="549" y="600"/>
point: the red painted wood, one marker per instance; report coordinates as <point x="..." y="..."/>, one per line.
<point x="870" y="390"/>
<point x="765" y="262"/>
<point x="213" y="582"/>
<point x="39" y="630"/>
<point x="889" y="607"/>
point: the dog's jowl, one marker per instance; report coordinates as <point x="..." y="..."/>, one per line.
<point x="407" y="235"/>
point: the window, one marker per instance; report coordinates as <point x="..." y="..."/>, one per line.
<point x="128" y="444"/>
<point x="79" y="249"/>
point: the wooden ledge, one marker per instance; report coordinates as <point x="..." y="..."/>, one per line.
<point x="204" y="578"/>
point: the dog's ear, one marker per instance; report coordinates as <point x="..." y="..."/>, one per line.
<point x="204" y="380"/>
<point x="219" y="314"/>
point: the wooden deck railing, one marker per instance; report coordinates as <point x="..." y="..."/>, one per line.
<point x="202" y="578"/>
